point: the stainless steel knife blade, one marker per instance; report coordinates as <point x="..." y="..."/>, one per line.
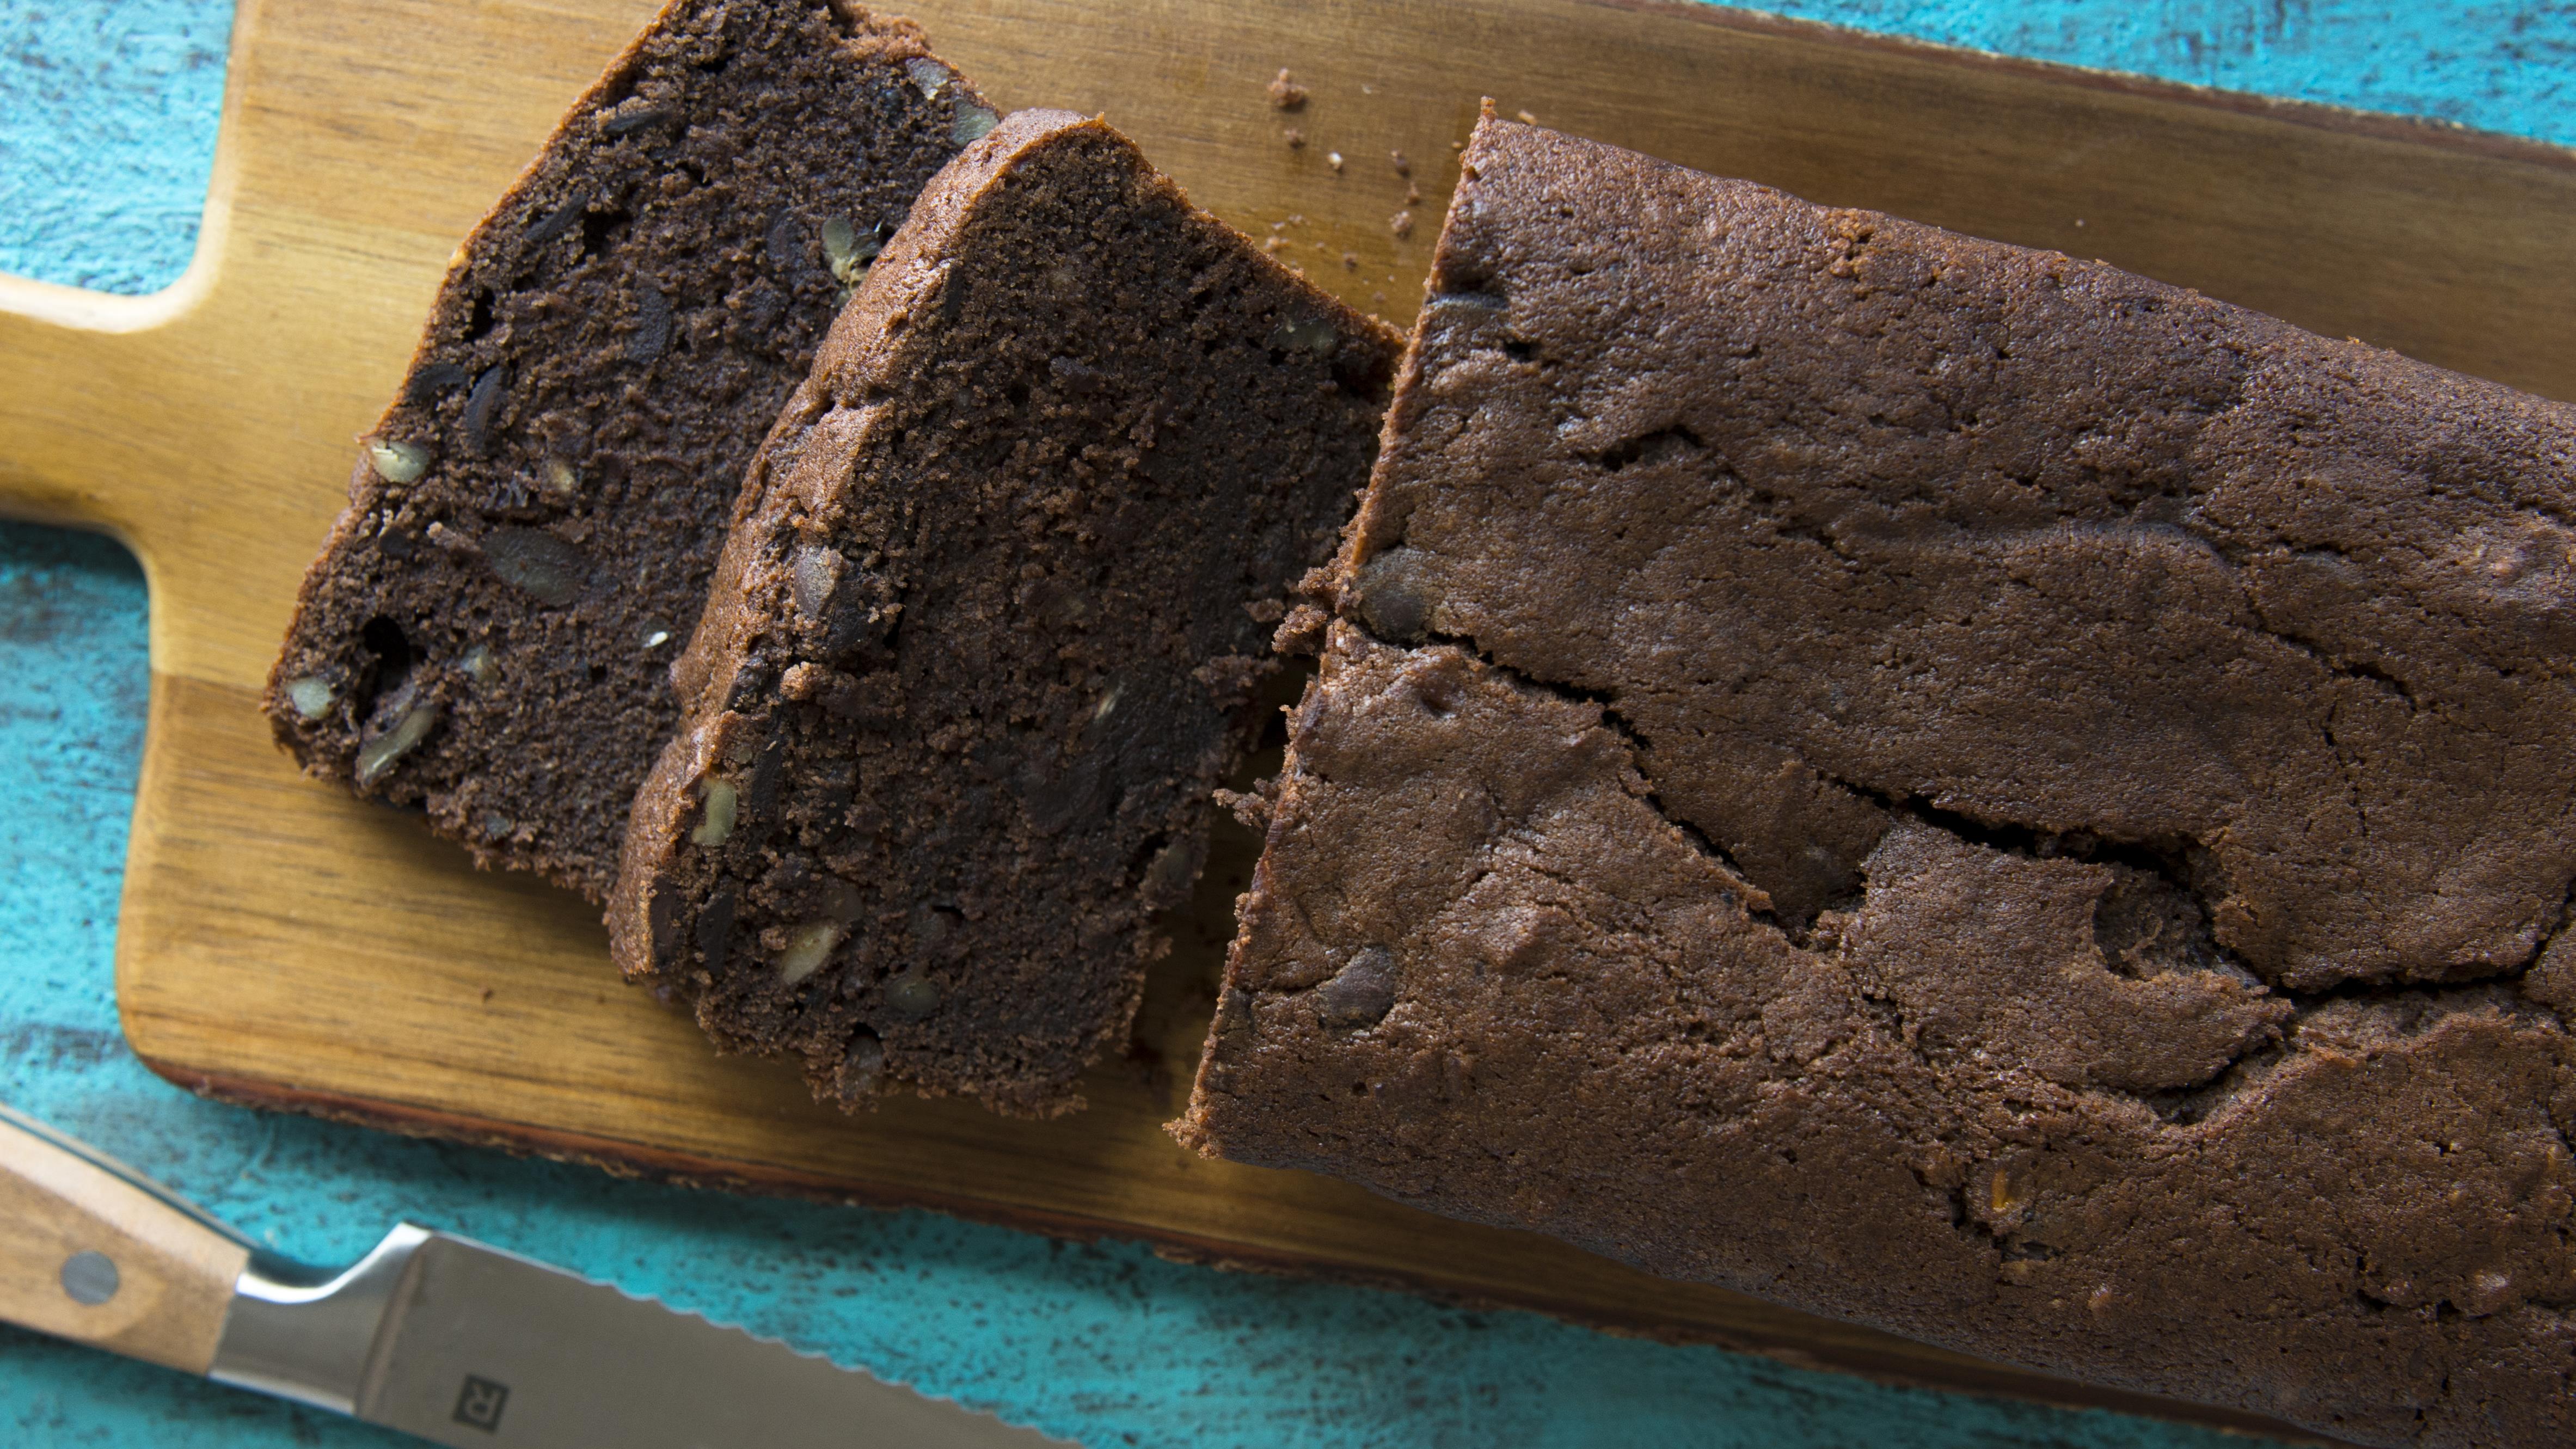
<point x="430" y="1333"/>
<point x="478" y="1348"/>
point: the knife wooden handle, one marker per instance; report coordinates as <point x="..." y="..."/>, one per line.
<point x="89" y="1254"/>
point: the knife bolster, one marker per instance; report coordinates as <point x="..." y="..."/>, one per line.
<point x="310" y="1336"/>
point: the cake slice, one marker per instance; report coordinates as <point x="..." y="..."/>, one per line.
<point x="530" y="529"/>
<point x="989" y="632"/>
<point x="1949" y="787"/>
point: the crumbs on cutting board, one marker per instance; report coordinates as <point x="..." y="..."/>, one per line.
<point x="1302" y="118"/>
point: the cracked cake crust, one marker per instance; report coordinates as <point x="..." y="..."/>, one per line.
<point x="1948" y="787"/>
<point x="2282" y="605"/>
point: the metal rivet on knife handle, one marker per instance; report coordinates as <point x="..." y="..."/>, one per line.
<point x="89" y="1278"/>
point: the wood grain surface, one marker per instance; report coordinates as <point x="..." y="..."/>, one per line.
<point x="168" y="1277"/>
<point x="286" y="945"/>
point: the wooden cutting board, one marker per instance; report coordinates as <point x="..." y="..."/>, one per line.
<point x="284" y="945"/>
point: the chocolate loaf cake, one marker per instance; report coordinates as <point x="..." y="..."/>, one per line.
<point x="1950" y="787"/>
<point x="988" y="635"/>
<point x="530" y="529"/>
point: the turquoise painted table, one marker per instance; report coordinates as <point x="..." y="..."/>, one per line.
<point x="107" y="115"/>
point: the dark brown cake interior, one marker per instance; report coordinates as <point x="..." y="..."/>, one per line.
<point x="976" y="661"/>
<point x="531" y="527"/>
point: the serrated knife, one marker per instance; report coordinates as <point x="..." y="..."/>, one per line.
<point x="432" y="1334"/>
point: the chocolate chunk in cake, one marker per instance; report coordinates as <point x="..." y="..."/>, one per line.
<point x="991" y="629"/>
<point x="488" y="632"/>
<point x="1950" y="787"/>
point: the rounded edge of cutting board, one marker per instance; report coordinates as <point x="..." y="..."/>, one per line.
<point x="1876" y="1356"/>
<point x="2324" y="115"/>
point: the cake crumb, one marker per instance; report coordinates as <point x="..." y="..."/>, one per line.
<point x="1285" y="93"/>
<point x="1412" y="194"/>
<point x="1526" y="118"/>
<point x="1249" y="807"/>
<point x="1402" y="166"/>
<point x="1294" y="137"/>
<point x="1401" y="223"/>
<point x="1301" y="634"/>
<point x="1350" y="261"/>
<point x="1334" y="159"/>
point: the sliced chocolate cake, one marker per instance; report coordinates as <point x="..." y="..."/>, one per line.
<point x="989" y="631"/>
<point x="1946" y="786"/>
<point x="487" y="634"/>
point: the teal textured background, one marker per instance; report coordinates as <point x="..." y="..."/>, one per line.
<point x="107" y="121"/>
<point x="107" y="132"/>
